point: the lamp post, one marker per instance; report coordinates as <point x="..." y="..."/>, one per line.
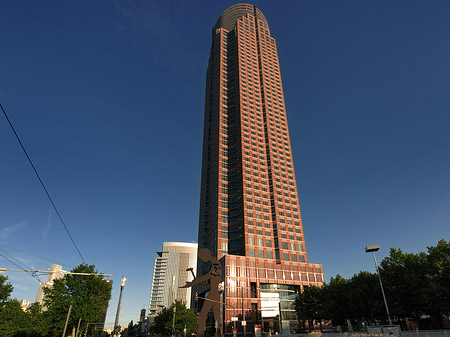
<point x="373" y="249"/>
<point x="87" y="327"/>
<point x="173" y="320"/>
<point x="122" y="285"/>
<point x="244" y="322"/>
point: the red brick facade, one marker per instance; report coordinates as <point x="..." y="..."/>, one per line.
<point x="249" y="211"/>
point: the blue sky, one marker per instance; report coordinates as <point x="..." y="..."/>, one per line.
<point x="108" y="98"/>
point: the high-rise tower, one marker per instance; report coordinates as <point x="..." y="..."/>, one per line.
<point x="249" y="209"/>
<point x="169" y="274"/>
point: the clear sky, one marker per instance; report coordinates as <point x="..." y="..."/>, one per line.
<point x="108" y="98"/>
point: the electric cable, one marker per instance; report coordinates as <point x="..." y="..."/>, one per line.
<point x="37" y="278"/>
<point x="40" y="257"/>
<point x="19" y="262"/>
<point x="42" y="183"/>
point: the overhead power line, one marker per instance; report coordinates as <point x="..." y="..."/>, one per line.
<point x="42" y="183"/>
<point x="37" y="278"/>
<point x="18" y="262"/>
<point x="40" y="257"/>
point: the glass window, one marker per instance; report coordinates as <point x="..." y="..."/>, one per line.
<point x="224" y="246"/>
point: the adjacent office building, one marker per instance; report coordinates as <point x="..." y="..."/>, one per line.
<point x="249" y="208"/>
<point x="56" y="272"/>
<point x="170" y="273"/>
<point x="24" y="304"/>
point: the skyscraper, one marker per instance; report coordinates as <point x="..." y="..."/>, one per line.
<point x="170" y="274"/>
<point x="55" y="273"/>
<point x="249" y="209"/>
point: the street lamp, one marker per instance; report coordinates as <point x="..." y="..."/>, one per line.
<point x="122" y="285"/>
<point x="173" y="320"/>
<point x="373" y="249"/>
<point x="87" y="327"/>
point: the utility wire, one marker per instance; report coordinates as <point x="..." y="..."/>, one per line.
<point x="20" y="267"/>
<point x="40" y="180"/>
<point x="40" y="257"/>
<point x="18" y="261"/>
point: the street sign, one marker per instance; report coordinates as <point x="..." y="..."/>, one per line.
<point x="244" y="323"/>
<point x="234" y="319"/>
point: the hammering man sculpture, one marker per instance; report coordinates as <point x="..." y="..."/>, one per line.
<point x="213" y="277"/>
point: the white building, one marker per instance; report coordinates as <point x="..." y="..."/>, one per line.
<point x="170" y="273"/>
<point x="24" y="304"/>
<point x="55" y="273"/>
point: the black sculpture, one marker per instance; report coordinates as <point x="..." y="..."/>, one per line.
<point x="213" y="277"/>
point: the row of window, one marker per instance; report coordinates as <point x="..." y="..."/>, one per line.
<point x="259" y="231"/>
<point x="277" y="123"/>
<point x="271" y="76"/>
<point x="260" y="242"/>
<point x="255" y="126"/>
<point x="254" y="161"/>
<point x="276" y="117"/>
<point x="247" y="24"/>
<point x="269" y="65"/>
<point x="258" y="223"/>
<point x="258" y="216"/>
<point x="258" y="201"/>
<point x="269" y="255"/>
<point x="247" y="131"/>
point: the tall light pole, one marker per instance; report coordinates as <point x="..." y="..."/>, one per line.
<point x="67" y="320"/>
<point x="122" y="285"/>
<point x="244" y="322"/>
<point x="173" y="320"/>
<point x="373" y="249"/>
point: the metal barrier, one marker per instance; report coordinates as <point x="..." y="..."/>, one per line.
<point x="405" y="333"/>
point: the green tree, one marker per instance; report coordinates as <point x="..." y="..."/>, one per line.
<point x="309" y="306"/>
<point x="39" y="328"/>
<point x="301" y="309"/>
<point x="183" y="318"/>
<point x="364" y="297"/>
<point x="415" y="284"/>
<point x="438" y="278"/>
<point x="6" y="288"/>
<point x="14" y="321"/>
<point x="337" y="300"/>
<point x="88" y="294"/>
<point x="404" y="277"/>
